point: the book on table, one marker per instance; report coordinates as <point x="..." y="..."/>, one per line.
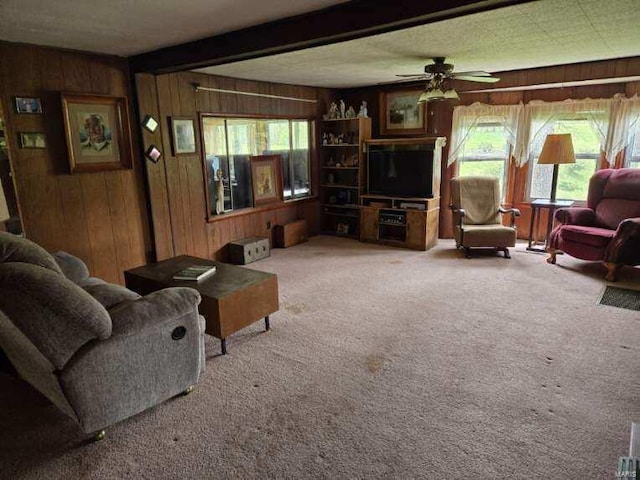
<point x="195" y="272"/>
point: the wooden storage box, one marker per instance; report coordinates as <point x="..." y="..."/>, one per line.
<point x="290" y="234"/>
<point x="248" y="250"/>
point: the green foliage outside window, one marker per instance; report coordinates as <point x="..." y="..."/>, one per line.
<point x="485" y="152"/>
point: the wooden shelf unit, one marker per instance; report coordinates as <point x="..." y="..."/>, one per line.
<point x="415" y="228"/>
<point x="342" y="179"/>
<point x="400" y="221"/>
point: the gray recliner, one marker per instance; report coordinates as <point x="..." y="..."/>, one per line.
<point x="98" y="351"/>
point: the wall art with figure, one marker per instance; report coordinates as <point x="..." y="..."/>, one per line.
<point x="97" y="131"/>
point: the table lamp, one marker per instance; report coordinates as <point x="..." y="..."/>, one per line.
<point x="4" y="209"/>
<point x="557" y="149"/>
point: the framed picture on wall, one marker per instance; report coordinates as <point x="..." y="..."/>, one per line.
<point x="32" y="140"/>
<point x="97" y="132"/>
<point x="28" y="105"/>
<point x="401" y="114"/>
<point x="266" y="179"/>
<point x="183" y="136"/>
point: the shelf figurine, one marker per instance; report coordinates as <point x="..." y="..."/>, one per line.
<point x="363" y="110"/>
<point x="342" y="109"/>
<point x="219" y="193"/>
<point x="351" y="113"/>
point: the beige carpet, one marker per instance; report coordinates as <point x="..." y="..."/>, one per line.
<point x="382" y="363"/>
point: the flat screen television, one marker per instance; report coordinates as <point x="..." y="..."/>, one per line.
<point x="400" y="170"/>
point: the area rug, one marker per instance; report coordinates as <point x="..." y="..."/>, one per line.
<point x="621" y="298"/>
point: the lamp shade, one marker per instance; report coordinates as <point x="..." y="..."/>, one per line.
<point x="557" y="149"/>
<point x="4" y="209"/>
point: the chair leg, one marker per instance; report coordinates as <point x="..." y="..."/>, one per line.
<point x="506" y="253"/>
<point x="552" y="255"/>
<point x="467" y="252"/>
<point x="612" y="271"/>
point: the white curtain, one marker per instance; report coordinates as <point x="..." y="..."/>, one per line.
<point x="466" y="117"/>
<point x="540" y="116"/>
<point x="624" y="128"/>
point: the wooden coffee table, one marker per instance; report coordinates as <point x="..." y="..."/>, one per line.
<point x="232" y="298"/>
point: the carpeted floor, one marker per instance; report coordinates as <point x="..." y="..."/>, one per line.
<point x="382" y="363"/>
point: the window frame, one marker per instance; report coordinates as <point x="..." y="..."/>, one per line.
<point x="506" y="160"/>
<point x="210" y="214"/>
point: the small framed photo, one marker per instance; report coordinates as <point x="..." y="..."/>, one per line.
<point x="401" y="114"/>
<point x="183" y="135"/>
<point x="32" y="140"/>
<point x="150" y="123"/>
<point x="153" y="154"/>
<point x="266" y="179"/>
<point x="97" y="131"/>
<point x="28" y="105"/>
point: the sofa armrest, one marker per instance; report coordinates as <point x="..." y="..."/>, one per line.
<point x="575" y="216"/>
<point x="129" y="317"/>
<point x="155" y="352"/>
<point x="628" y="229"/>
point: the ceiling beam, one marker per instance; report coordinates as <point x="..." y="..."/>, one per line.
<point x="345" y="21"/>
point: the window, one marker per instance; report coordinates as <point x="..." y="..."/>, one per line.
<point x="482" y="139"/>
<point x="230" y="143"/>
<point x="485" y="151"/>
<point x="588" y="122"/>
<point x="573" y="179"/>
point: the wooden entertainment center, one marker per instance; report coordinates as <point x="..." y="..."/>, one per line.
<point x="397" y="219"/>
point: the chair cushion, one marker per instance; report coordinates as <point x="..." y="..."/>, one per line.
<point x="73" y="268"/>
<point x="479" y="197"/>
<point x="14" y="248"/>
<point x="611" y="211"/>
<point x="55" y="314"/>
<point x="497" y="236"/>
<point x="594" y="236"/>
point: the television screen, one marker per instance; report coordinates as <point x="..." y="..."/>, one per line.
<point x="401" y="170"/>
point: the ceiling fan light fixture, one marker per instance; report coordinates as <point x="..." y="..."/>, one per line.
<point x="451" y="94"/>
<point x="431" y="94"/>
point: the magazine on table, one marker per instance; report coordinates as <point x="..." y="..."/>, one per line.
<point x="195" y="272"/>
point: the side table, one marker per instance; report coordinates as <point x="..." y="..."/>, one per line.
<point x="536" y="206"/>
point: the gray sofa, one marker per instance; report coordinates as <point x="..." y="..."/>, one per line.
<point x="98" y="351"/>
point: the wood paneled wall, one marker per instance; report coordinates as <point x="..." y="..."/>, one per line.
<point x="100" y="217"/>
<point x="439" y="115"/>
<point x="176" y="184"/>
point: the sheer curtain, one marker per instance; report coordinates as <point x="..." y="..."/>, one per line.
<point x="540" y="116"/>
<point x="467" y="117"/>
<point x="624" y="129"/>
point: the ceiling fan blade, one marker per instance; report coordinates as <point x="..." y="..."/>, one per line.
<point x="416" y="75"/>
<point x="475" y="73"/>
<point x="472" y="78"/>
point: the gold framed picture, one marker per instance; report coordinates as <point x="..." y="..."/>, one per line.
<point x="97" y="132"/>
<point x="401" y="114"/>
<point x="266" y="179"/>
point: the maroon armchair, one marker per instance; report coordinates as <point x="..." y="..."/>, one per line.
<point x="608" y="229"/>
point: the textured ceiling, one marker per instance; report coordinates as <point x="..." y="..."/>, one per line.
<point x="535" y="34"/>
<point x="543" y="33"/>
<point x="129" y="27"/>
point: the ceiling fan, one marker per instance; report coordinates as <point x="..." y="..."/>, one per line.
<point x="438" y="76"/>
